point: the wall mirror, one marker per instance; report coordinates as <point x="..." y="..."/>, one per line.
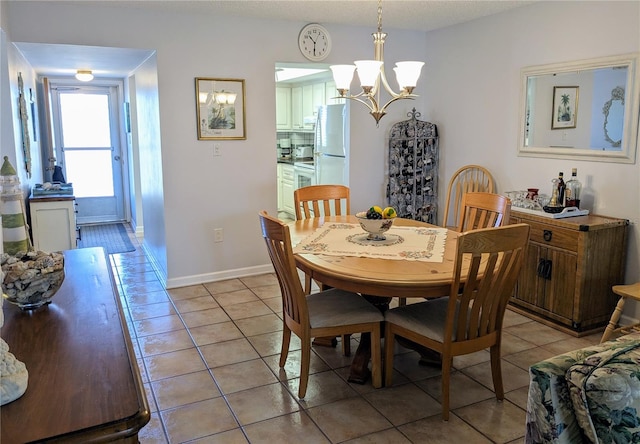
<point x="585" y="109"/>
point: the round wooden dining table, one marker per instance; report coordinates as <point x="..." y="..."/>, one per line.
<point x="377" y="279"/>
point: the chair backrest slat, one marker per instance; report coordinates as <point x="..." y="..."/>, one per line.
<point x="321" y="200"/>
<point x="483" y="210"/>
<point x="468" y="179"/>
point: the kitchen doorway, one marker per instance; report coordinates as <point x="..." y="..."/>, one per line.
<point x="88" y="147"/>
<point x="312" y="131"/>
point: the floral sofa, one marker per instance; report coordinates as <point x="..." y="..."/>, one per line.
<point x="587" y="395"/>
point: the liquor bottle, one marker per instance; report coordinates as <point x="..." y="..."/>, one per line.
<point x="572" y="191"/>
<point x="561" y="189"/>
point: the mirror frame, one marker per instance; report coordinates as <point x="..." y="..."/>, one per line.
<point x="627" y="153"/>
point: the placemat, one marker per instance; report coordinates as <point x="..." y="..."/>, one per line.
<point x="402" y="243"/>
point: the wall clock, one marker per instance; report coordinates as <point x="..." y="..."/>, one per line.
<point x="314" y="42"/>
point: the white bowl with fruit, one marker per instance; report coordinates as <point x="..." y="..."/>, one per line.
<point x="376" y="221"/>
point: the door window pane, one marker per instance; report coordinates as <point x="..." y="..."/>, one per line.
<point x="85" y="119"/>
<point x="90" y="171"/>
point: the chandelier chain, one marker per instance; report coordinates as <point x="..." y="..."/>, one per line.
<point x="379" y="15"/>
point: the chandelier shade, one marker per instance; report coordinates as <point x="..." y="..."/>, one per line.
<point x="371" y="75"/>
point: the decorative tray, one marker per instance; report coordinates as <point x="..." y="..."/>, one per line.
<point x="567" y="212"/>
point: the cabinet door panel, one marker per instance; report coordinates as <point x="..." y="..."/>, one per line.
<point x="560" y="289"/>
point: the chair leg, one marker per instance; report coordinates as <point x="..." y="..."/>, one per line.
<point x="286" y="339"/>
<point x="389" y="341"/>
<point x="613" y="322"/>
<point x="496" y="371"/>
<point x="376" y="358"/>
<point x="307" y="284"/>
<point x="346" y="345"/>
<point x="447" y="362"/>
<point x="305" y="359"/>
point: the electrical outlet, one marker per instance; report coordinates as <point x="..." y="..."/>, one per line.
<point x="218" y="235"/>
<point x="216" y="149"/>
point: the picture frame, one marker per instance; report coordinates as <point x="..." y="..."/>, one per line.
<point x="220" y="109"/>
<point x="565" y="107"/>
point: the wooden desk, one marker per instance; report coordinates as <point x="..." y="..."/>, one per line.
<point x="376" y="277"/>
<point x="84" y="383"/>
<point x="383" y="278"/>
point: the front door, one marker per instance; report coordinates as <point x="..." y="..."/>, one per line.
<point x="87" y="147"/>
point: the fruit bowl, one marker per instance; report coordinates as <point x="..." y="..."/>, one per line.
<point x="32" y="279"/>
<point x="375" y="227"/>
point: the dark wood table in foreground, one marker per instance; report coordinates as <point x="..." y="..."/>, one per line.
<point x="84" y="383"/>
<point x="378" y="279"/>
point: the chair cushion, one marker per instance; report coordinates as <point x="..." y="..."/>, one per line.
<point x="426" y="318"/>
<point x="605" y="390"/>
<point x="338" y="307"/>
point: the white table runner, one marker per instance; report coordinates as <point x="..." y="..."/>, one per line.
<point x="402" y="243"/>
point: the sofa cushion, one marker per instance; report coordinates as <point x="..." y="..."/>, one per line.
<point x="605" y="391"/>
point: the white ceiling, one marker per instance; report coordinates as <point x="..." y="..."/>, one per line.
<point x="53" y="59"/>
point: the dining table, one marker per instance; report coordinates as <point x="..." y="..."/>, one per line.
<point x="376" y="273"/>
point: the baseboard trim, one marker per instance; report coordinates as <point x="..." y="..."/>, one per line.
<point x="218" y="276"/>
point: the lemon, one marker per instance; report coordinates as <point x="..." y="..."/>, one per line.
<point x="377" y="209"/>
<point x="389" y="213"/>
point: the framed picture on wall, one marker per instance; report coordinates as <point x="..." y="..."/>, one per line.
<point x="220" y="109"/>
<point x="565" y="107"/>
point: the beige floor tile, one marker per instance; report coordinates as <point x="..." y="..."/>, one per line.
<point x="154" y="326"/>
<point x="322" y="388"/>
<point x="165" y="342"/>
<point x="513" y="318"/>
<point x="462" y="390"/>
<point x="210" y="334"/>
<point x="142" y="287"/>
<point x="247" y="310"/>
<point x="132" y="278"/>
<point x="293" y="428"/>
<point x="514" y="344"/>
<point x="125" y="269"/>
<point x="184" y="389"/>
<point x="434" y="430"/>
<point x="404" y="403"/>
<point x="261" y="403"/>
<point x="407" y="365"/>
<point x="153" y="407"/>
<point x="527" y="358"/>
<point x="518" y="397"/>
<point x="537" y="333"/>
<point x="464" y="361"/>
<point x="173" y="364"/>
<point x="347" y="419"/>
<point x="228" y="352"/>
<point x="389" y="436"/>
<point x="499" y="421"/>
<point x="195" y="304"/>
<point x="267" y="291"/>
<point x="235" y="297"/>
<point x="147" y="298"/>
<point x="567" y="345"/>
<point x="242" y="376"/>
<point x="258" y="325"/>
<point x="233" y="436"/>
<point x="205" y="317"/>
<point x="140" y="312"/>
<point x="153" y="432"/>
<point x="260" y="280"/>
<point x="192" y="291"/>
<point x="271" y="343"/>
<point x="513" y="377"/>
<point x="225" y="286"/>
<point x="275" y="304"/>
<point x="198" y="420"/>
<point x="291" y="367"/>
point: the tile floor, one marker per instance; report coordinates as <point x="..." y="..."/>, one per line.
<point x="208" y="355"/>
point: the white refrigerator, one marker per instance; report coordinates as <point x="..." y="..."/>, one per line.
<point x="332" y="145"/>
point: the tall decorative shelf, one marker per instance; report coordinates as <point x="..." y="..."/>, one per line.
<point x="413" y="169"/>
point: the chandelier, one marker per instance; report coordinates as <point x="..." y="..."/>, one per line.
<point x="371" y="75"/>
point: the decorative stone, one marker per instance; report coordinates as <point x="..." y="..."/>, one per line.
<point x="13" y="373"/>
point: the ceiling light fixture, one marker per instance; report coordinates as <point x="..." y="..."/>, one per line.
<point x="371" y="74"/>
<point x="84" y="75"/>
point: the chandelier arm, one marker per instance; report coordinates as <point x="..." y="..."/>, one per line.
<point x="384" y="108"/>
<point x="387" y="87"/>
<point x="358" y="99"/>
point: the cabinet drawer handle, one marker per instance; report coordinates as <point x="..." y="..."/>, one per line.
<point x="547" y="234"/>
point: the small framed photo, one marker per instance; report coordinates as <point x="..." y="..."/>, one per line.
<point x="220" y="109"/>
<point x="565" y="107"/>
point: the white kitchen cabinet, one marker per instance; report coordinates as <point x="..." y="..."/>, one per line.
<point x="279" y="182"/>
<point x="286" y="189"/>
<point x="307" y="102"/>
<point x="283" y="108"/>
<point x="53" y="222"/>
<point x="296" y="108"/>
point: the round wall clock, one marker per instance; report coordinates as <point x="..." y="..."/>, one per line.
<point x="314" y="42"/>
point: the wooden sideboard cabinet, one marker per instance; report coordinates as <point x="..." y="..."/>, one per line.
<point x="569" y="269"/>
<point x="53" y="222"/>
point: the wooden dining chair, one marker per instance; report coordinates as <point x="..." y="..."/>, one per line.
<point x="316" y="200"/>
<point x="331" y="312"/>
<point x="469" y="178"/>
<point x="483" y="210"/>
<point x="321" y="200"/>
<point x="470" y="318"/>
